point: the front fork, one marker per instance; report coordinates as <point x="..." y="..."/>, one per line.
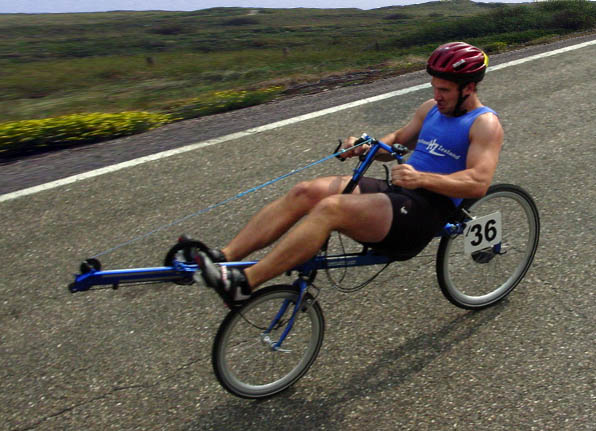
<point x="265" y="336"/>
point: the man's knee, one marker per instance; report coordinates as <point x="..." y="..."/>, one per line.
<point x="330" y="208"/>
<point x="311" y="192"/>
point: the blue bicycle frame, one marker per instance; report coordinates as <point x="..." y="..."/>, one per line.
<point x="183" y="272"/>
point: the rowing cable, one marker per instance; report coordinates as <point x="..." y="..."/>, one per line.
<point x="228" y="200"/>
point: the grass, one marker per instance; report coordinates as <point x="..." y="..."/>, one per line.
<point x="65" y="63"/>
<point x="176" y="62"/>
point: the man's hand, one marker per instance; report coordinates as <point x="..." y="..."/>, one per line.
<point x="405" y="176"/>
<point x="349" y="143"/>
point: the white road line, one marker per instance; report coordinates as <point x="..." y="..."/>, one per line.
<point x="271" y="126"/>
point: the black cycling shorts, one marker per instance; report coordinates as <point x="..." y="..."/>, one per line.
<point x="418" y="215"/>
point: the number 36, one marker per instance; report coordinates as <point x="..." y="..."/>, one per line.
<point x="490" y="232"/>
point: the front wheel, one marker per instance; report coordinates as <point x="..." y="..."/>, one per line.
<point x="484" y="277"/>
<point x="244" y="361"/>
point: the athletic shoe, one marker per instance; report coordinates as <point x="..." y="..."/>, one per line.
<point x="214" y="254"/>
<point x="230" y="283"/>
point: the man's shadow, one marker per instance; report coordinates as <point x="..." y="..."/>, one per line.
<point x="392" y="367"/>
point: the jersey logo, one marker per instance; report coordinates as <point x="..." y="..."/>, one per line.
<point x="434" y="148"/>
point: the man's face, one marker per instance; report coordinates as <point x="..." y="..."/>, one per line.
<point x="446" y="94"/>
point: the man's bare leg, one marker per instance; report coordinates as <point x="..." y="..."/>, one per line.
<point x="364" y="218"/>
<point x="275" y="219"/>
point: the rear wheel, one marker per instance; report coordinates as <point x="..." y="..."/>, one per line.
<point x="484" y="277"/>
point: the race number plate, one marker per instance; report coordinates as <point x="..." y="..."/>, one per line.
<point x="482" y="232"/>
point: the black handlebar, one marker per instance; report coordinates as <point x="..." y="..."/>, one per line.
<point x="398" y="149"/>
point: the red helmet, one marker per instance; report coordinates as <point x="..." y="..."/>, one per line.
<point x="459" y="62"/>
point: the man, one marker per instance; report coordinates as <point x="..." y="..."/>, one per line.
<point x="456" y="143"/>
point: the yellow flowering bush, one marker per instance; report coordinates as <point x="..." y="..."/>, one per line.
<point x="24" y="136"/>
<point x="21" y="137"/>
<point x="495" y="47"/>
<point x="222" y="101"/>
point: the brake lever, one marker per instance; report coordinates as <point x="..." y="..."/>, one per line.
<point x="341" y="159"/>
<point x="387" y="176"/>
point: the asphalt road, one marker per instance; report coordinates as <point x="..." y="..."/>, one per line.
<point x="396" y="355"/>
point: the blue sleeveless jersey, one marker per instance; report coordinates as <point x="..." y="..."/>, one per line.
<point x="443" y="143"/>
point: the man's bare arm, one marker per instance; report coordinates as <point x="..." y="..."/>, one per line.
<point x="486" y="140"/>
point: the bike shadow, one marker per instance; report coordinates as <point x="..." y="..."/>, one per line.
<point x="392" y="368"/>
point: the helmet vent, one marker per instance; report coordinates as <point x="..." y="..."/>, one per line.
<point x="458" y="65"/>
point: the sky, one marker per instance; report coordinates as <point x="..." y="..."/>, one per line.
<point x="65" y="6"/>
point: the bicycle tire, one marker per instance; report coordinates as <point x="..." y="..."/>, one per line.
<point x="245" y="365"/>
<point x="482" y="279"/>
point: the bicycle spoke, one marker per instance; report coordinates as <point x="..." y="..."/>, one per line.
<point x="490" y="274"/>
<point x="253" y="369"/>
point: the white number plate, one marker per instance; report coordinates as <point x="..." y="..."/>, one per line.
<point x="482" y="233"/>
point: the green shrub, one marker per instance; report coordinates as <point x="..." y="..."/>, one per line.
<point x="398" y="16"/>
<point x="573" y="20"/>
<point x="241" y="21"/>
<point x="168" y="30"/>
<point x="21" y="137"/>
<point x="222" y="101"/>
<point x="560" y="16"/>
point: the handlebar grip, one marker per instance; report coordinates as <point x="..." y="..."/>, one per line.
<point x="401" y="151"/>
<point x="360" y="140"/>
